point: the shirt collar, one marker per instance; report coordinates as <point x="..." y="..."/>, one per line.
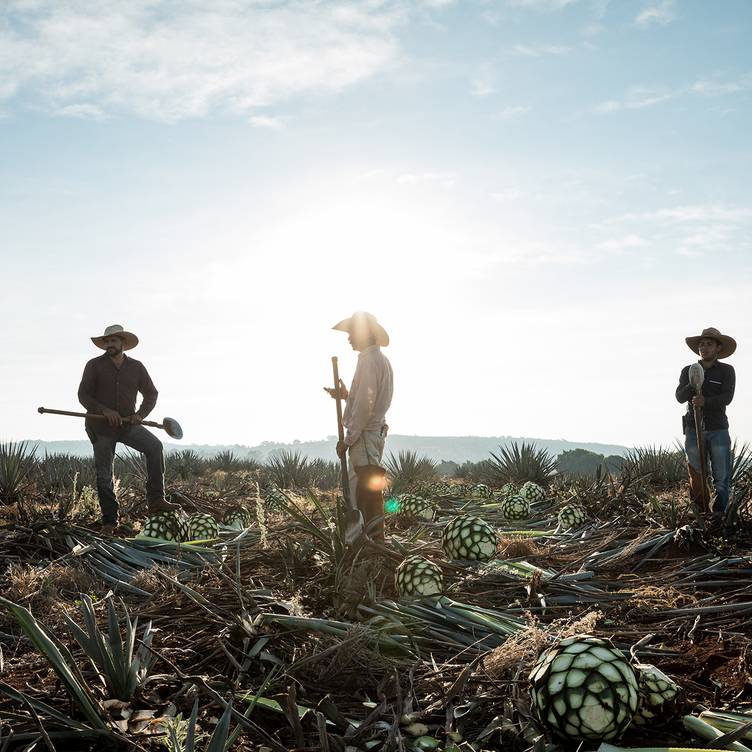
<point x="369" y="349"/>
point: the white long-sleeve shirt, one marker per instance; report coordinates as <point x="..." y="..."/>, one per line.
<point x="370" y="394"/>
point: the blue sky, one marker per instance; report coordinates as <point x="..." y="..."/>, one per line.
<point x="539" y="198"/>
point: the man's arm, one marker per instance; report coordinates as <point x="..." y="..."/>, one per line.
<point x="727" y="391"/>
<point x="360" y="402"/>
<point x="148" y="392"/>
<point x="87" y="388"/>
<point x="685" y="391"/>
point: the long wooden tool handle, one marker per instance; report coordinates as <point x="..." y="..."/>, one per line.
<point x="701" y="451"/>
<point x="341" y="433"/>
<point x="95" y="416"/>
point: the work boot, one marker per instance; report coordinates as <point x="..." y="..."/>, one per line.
<point x="160" y="505"/>
<point x="108" y="529"/>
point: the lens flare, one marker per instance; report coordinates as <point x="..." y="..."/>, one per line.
<point x="392" y="505"/>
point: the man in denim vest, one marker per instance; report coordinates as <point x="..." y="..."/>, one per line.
<point x="717" y="392"/>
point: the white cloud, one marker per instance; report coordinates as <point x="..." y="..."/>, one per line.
<point x="541" y="4"/>
<point x="661" y="13"/>
<point x="444" y="179"/>
<point x="83" y="111"/>
<point x="513" y="111"/>
<point x="539" y="50"/>
<point x="622" y="244"/>
<point x="484" y="82"/>
<point x="636" y="99"/>
<point x="267" y="121"/>
<point x="168" y="60"/>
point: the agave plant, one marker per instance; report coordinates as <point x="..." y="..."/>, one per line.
<point x="661" y="467"/>
<point x="130" y="468"/>
<point x="289" y="470"/>
<point x="181" y="734"/>
<point x="519" y="463"/>
<point x="17" y="462"/>
<point x="407" y="469"/>
<point x="113" y="655"/>
<point x="325" y="474"/>
<point x="186" y="464"/>
<point x="226" y="461"/>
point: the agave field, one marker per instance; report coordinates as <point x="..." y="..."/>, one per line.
<point x="514" y="608"/>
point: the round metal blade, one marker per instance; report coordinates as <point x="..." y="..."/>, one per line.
<point x="172" y="427"/>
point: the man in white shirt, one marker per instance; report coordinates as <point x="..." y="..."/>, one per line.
<point x="364" y="419"/>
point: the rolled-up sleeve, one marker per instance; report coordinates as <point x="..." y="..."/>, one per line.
<point x="361" y="405"/>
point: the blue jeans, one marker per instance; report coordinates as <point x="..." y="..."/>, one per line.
<point x="135" y="437"/>
<point x="718" y="450"/>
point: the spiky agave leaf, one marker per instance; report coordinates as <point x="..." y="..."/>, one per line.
<point x="583" y="689"/>
<point x="518" y="463"/>
<point x="408" y="469"/>
<point x="470" y="538"/>
<point x="417" y="575"/>
<point x="114" y="655"/>
<point x="17" y="463"/>
<point x="289" y="470"/>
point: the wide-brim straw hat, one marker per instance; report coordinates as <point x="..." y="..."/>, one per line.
<point x="362" y="324"/>
<point x="130" y="340"/>
<point x="728" y="344"/>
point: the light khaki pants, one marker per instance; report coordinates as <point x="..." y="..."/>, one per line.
<point x="367" y="450"/>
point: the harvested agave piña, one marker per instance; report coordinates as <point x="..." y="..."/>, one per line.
<point x="238" y="518"/>
<point x="417" y="575"/>
<point x="657" y="694"/>
<point x="532" y="492"/>
<point x="469" y="537"/>
<point x="515" y="508"/>
<point x="571" y="516"/>
<point x="412" y="505"/>
<point x="584" y="689"/>
<point x="167" y="526"/>
<point x="202" y="526"/>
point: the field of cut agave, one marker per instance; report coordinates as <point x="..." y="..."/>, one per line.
<point x="514" y="608"/>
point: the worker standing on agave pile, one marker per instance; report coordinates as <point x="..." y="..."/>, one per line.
<point x="109" y="387"/>
<point x="364" y="418"/>
<point x="717" y="392"/>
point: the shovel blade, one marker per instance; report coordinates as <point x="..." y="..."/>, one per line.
<point x="355" y="527"/>
<point x="172" y="428"/>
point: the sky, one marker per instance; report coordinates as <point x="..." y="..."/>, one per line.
<point x="539" y="200"/>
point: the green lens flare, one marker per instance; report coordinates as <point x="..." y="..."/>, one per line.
<point x="391" y="505"/>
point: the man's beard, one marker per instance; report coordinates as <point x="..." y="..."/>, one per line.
<point x="112" y="351"/>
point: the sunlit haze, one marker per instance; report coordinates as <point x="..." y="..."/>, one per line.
<point x="539" y="199"/>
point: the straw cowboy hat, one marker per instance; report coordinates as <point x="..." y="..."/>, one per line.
<point x="728" y="344"/>
<point x="363" y="323"/>
<point x="130" y="340"/>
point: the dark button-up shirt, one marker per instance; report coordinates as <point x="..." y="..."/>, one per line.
<point x="718" y="390"/>
<point x="105" y="385"/>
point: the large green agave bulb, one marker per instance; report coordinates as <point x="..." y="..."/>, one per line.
<point x="657" y="693"/>
<point x="469" y="537"/>
<point x="571" y="516"/>
<point x="584" y="689"/>
<point x="417" y="575"/>
<point x="238" y="518"/>
<point x="515" y="508"/>
<point x="202" y="526"/>
<point x="532" y="492"/>
<point x="164" y="525"/>
<point x="507" y="490"/>
<point x="413" y="505"/>
<point x="481" y="491"/>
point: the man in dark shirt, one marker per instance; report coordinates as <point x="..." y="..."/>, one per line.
<point x="717" y="392"/>
<point x="109" y="386"/>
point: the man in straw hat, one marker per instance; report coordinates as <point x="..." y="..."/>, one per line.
<point x="717" y="392"/>
<point x="109" y="386"/>
<point x="368" y="400"/>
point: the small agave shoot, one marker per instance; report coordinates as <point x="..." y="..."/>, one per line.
<point x="584" y="690"/>
<point x="657" y="693"/>
<point x="571" y="516"/>
<point x="515" y="508"/>
<point x="114" y="654"/>
<point x="202" y="526"/>
<point x="418" y="576"/>
<point x="469" y="538"/>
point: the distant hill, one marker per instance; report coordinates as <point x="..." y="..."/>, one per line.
<point x="439" y="448"/>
